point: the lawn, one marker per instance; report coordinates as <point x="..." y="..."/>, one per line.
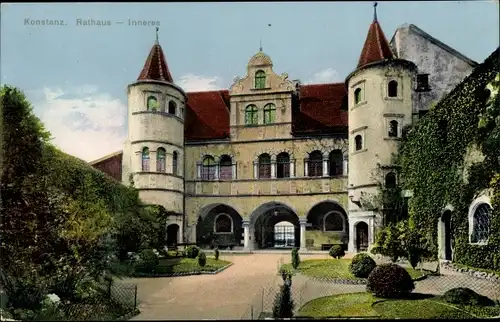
<point x="335" y="268"/>
<point x="417" y="306"/>
<point x="188" y="265"/>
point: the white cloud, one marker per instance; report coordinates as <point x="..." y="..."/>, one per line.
<point x="83" y="122"/>
<point x="196" y="83"/>
<point x="328" y="75"/>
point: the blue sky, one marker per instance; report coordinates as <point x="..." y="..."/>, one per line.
<point x="76" y="76"/>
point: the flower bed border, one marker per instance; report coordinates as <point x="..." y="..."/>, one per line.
<point x="472" y="272"/>
<point x="182" y="274"/>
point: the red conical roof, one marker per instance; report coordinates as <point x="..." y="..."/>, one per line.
<point x="376" y="47"/>
<point x="155" y="67"/>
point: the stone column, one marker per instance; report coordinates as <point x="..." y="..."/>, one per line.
<point x="306" y="167"/>
<point x="233" y="171"/>
<point x="303" y="223"/>
<point x="180" y="238"/>
<point x="345" y="167"/>
<point x="246" y="238"/>
<point x="273" y="168"/>
<point x="325" y="165"/>
<point x="198" y="170"/>
<point x="256" y="169"/>
<point x="292" y="168"/>
<point x="352" y="238"/>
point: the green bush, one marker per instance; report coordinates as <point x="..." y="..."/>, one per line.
<point x="202" y="259"/>
<point x="362" y="265"/>
<point x="390" y="281"/>
<point x="192" y="252"/>
<point x="216" y="254"/>
<point x="336" y="251"/>
<point x="295" y="258"/>
<point x="466" y="296"/>
<point x="148" y="261"/>
<point x="283" y="303"/>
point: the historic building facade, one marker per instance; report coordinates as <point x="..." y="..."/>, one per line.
<point x="232" y="164"/>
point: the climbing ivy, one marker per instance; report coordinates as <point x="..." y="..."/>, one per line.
<point x="436" y="166"/>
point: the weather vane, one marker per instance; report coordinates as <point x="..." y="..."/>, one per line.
<point x="375" y="10"/>
<point x="157" y="29"/>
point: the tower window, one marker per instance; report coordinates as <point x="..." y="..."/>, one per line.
<point x="393" y="129"/>
<point x="160" y="160"/>
<point x="357" y="96"/>
<point x="392" y="89"/>
<point x="269" y="113"/>
<point x="423" y="82"/>
<point x="260" y="79"/>
<point x="152" y="104"/>
<point x="172" y="107"/>
<point x="251" y="116"/>
<point x="174" y="162"/>
<point x="145" y="159"/>
<point x="358" y="142"/>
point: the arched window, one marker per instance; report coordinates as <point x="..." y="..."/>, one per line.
<point x="226" y="167"/>
<point x="336" y="163"/>
<point x="208" y="168"/>
<point x="393" y="129"/>
<point x="390" y="180"/>
<point x="315" y="166"/>
<point x="145" y="159"/>
<point x="481" y="222"/>
<point x="264" y="166"/>
<point x="251" y="116"/>
<point x="283" y="165"/>
<point x="392" y="88"/>
<point x="269" y="113"/>
<point x="160" y="160"/>
<point x="260" y="79"/>
<point x="174" y="162"/>
<point x="172" y="107"/>
<point x="152" y="103"/>
<point x="357" y="96"/>
<point x="358" y="142"/>
<point x="223" y="224"/>
<point x="333" y="221"/>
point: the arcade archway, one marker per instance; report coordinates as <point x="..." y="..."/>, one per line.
<point x="220" y="225"/>
<point x="275" y="225"/>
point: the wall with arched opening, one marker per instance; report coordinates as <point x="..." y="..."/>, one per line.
<point x="327" y="224"/>
<point x="219" y="225"/>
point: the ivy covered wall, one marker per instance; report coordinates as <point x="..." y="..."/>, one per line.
<point x="436" y="165"/>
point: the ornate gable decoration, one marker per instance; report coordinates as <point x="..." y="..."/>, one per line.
<point x="260" y="78"/>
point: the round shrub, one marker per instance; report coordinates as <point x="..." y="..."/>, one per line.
<point x="362" y="265"/>
<point x="202" y="259"/>
<point x="148" y="260"/>
<point x="336" y="251"/>
<point x="466" y="296"/>
<point x="390" y="281"/>
<point x="192" y="252"/>
<point x="216" y="254"/>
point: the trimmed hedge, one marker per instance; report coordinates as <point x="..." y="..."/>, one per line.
<point x="362" y="265"/>
<point x="390" y="281"/>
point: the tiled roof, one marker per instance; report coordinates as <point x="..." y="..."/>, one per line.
<point x="155" y="67"/>
<point x="376" y="47"/>
<point x="207" y="115"/>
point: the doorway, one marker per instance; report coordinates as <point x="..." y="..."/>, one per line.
<point x="361" y="237"/>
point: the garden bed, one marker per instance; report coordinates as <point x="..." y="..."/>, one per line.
<point x="419" y="306"/>
<point x="182" y="266"/>
<point x="338" y="270"/>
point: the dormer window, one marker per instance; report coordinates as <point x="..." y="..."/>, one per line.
<point x="152" y="104"/>
<point x="357" y="96"/>
<point x="260" y="79"/>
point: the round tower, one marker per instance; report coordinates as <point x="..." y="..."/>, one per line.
<point x="153" y="156"/>
<point x="380" y="105"/>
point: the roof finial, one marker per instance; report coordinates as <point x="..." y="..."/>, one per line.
<point x="260" y="48"/>
<point x="375" y="11"/>
<point x="157" y="28"/>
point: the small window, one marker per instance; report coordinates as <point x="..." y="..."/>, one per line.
<point x="208" y="168"/>
<point x="174" y="162"/>
<point x="152" y="103"/>
<point x="423" y="82"/>
<point x="145" y="159"/>
<point x="393" y="129"/>
<point x="357" y="96"/>
<point x="283" y="165"/>
<point x="260" y="79"/>
<point x="390" y="180"/>
<point x="226" y="167"/>
<point x="315" y="165"/>
<point x="172" y="107"/>
<point x="481" y="222"/>
<point x="269" y="114"/>
<point x="251" y="116"/>
<point x="392" y="89"/>
<point x="160" y="160"/>
<point x="264" y="166"/>
<point x="358" y="142"/>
